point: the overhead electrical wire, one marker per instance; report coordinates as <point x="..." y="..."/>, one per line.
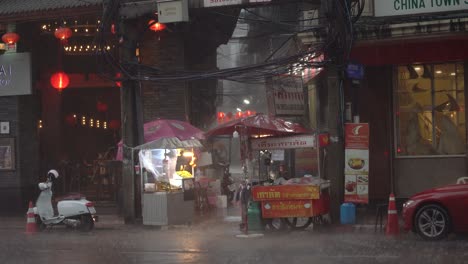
<point x="274" y="65"/>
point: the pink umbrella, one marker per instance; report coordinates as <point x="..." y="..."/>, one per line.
<point x="259" y="124"/>
<point x="166" y="128"/>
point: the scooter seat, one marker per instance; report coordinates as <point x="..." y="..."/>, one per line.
<point x="69" y="196"/>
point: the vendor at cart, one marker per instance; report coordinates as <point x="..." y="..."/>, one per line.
<point x="183" y="163"/>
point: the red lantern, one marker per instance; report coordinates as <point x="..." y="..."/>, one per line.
<point x="63" y="33"/>
<point x="113" y="28"/>
<point x="118" y="76"/>
<point x="101" y="107"/>
<point x="114" y="124"/>
<point x="59" y="80"/>
<point x="221" y="116"/>
<point x="10" y="38"/>
<point x="156" y="26"/>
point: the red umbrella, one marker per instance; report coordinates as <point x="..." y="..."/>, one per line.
<point x="259" y="124"/>
<point x="166" y="128"/>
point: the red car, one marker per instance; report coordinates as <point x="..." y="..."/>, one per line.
<point x="436" y="212"/>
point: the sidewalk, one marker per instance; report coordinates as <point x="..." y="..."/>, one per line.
<point x="365" y="221"/>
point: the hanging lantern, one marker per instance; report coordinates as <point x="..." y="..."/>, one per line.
<point x="156" y="26"/>
<point x="59" y="80"/>
<point x="10" y="38"/>
<point x="113" y="29"/>
<point x="63" y="33"/>
<point x="118" y="76"/>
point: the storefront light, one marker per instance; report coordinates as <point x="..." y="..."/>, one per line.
<point x="439" y="72"/>
<point x="246" y="101"/>
<point x="453" y="74"/>
<point x="187" y="154"/>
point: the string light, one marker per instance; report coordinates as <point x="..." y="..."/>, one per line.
<point x="39" y="124"/>
<point x="84" y="49"/>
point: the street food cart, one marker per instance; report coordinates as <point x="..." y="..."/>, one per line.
<point x="298" y="201"/>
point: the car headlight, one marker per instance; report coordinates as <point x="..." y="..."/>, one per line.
<point x="408" y="203"/>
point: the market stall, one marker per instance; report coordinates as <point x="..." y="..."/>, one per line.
<point x="295" y="202"/>
<point x="281" y="164"/>
<point x="168" y="182"/>
<point x="167" y="162"/>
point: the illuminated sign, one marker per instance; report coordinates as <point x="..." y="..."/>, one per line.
<point x="15" y="74"/>
<point x="409" y="7"/>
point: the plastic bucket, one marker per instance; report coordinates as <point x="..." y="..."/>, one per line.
<point x="348" y="213"/>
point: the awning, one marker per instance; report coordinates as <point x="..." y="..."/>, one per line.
<point x="27" y="10"/>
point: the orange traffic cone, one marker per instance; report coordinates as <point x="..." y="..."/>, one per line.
<point x="392" y="220"/>
<point x="31" y="226"/>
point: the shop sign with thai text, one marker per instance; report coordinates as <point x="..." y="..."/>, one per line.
<point x="211" y="3"/>
<point x="291" y="142"/>
<point x="356" y="189"/>
<point x="410" y="7"/>
<point x="15" y="74"/>
<point x="286" y="96"/>
<point x="357" y="136"/>
<point x="290" y="208"/>
<point x="285" y="192"/>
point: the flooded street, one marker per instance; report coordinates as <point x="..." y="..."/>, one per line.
<point x="216" y="242"/>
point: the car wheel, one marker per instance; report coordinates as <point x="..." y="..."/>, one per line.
<point x="432" y="222"/>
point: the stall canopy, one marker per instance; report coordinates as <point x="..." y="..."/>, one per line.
<point x="167" y="133"/>
<point x="259" y="124"/>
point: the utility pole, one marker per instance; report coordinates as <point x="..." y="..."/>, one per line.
<point x="127" y="19"/>
<point x="132" y="123"/>
<point x="333" y="110"/>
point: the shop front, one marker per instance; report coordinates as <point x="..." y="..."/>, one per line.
<point x="413" y="97"/>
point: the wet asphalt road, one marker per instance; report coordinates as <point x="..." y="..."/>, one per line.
<point x="215" y="242"/>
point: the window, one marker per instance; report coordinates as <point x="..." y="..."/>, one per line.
<point x="430" y="110"/>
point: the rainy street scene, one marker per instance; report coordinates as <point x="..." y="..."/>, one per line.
<point x="233" y="131"/>
<point x="220" y="241"/>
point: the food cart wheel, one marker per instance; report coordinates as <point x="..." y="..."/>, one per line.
<point x="298" y="223"/>
<point x="276" y="224"/>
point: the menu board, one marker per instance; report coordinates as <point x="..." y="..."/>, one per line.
<point x="356" y="185"/>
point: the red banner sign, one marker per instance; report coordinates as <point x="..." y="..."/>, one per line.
<point x="285" y="192"/>
<point x="357" y="136"/>
<point x="356" y="171"/>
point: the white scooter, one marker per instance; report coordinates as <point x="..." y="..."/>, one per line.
<point x="73" y="211"/>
